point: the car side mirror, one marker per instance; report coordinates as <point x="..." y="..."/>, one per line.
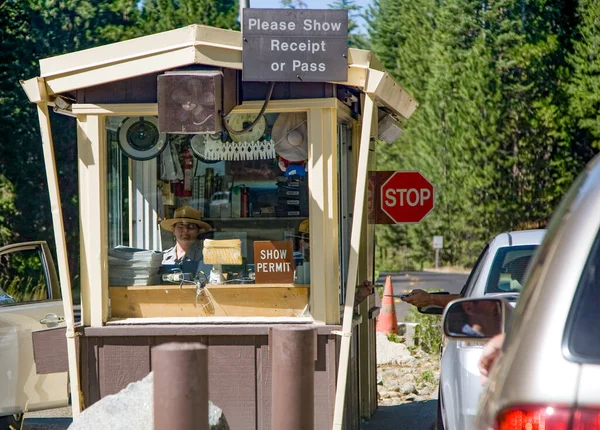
<point x="480" y="318"/>
<point x="431" y="310"/>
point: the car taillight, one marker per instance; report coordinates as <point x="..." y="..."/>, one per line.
<point x="548" y="418"/>
<point x="586" y="419"/>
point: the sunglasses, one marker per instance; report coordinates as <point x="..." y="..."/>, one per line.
<point x="183" y="225"/>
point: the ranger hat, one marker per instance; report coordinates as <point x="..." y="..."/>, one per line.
<point x="188" y="215"/>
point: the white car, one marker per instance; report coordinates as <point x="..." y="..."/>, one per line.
<point x="499" y="270"/>
<point x="29" y="303"/>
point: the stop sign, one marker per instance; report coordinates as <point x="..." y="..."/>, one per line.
<point x="406" y="197"/>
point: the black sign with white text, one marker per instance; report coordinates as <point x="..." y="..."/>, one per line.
<point x="292" y="45"/>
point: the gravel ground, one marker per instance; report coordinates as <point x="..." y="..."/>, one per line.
<point x="413" y="381"/>
<point x="405" y="374"/>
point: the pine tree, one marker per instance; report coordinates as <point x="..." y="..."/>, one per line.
<point x="294" y="4"/>
<point x="451" y="137"/>
<point x="163" y="15"/>
<point x="21" y="158"/>
<point x="584" y="86"/>
<point x="401" y="32"/>
<point x="396" y="28"/>
<point x="355" y="38"/>
<point x="529" y="41"/>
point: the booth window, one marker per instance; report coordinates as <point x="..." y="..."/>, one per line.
<point x="249" y="186"/>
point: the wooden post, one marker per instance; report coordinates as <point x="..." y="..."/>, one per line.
<point x="323" y="215"/>
<point x="293" y="376"/>
<point x="91" y="145"/>
<point x="180" y="386"/>
<point x="61" y="254"/>
<point x="357" y="222"/>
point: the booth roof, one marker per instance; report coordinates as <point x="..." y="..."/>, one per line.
<point x="194" y="44"/>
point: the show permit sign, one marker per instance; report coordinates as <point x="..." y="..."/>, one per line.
<point x="274" y="262"/>
<point x="293" y="45"/>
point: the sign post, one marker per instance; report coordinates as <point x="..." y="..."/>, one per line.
<point x="438" y="243"/>
<point x="406" y="197"/>
<point x="292" y="45"/>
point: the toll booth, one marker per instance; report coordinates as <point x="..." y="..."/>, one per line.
<point x="287" y="195"/>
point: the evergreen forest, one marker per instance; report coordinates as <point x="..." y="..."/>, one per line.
<point x="509" y="94"/>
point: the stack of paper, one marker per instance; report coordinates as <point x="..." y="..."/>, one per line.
<point x="225" y="251"/>
<point x="133" y="266"/>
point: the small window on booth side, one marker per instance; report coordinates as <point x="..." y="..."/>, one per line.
<point x="242" y="186"/>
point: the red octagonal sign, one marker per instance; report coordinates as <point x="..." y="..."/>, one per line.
<point x="407" y="197"/>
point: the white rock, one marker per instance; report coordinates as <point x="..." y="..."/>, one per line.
<point x="408" y="388"/>
<point x="391" y="352"/>
<point x="132" y="408"/>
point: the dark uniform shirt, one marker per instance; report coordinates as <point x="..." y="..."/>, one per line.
<point x="194" y="253"/>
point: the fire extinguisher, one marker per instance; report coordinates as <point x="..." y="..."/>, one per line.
<point x="188" y="177"/>
<point x="245" y="210"/>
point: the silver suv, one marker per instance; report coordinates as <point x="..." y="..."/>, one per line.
<point x="498" y="270"/>
<point x="548" y="373"/>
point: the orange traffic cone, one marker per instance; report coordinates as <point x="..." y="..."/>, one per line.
<point x="386" y="321"/>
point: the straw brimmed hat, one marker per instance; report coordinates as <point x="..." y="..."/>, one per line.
<point x="290" y="134"/>
<point x="186" y="214"/>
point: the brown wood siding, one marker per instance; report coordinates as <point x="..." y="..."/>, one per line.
<point x="232" y="378"/>
<point x="239" y="371"/>
<point x="372" y="345"/>
<point x="325" y="380"/>
<point x="287" y="90"/>
<point x="352" y="391"/>
<point x="116" y="356"/>
<point x="351" y="401"/>
<point x="89" y="359"/>
<point x="143" y="89"/>
<point x="367" y="360"/>
<point x="263" y="384"/>
<point x="50" y="351"/>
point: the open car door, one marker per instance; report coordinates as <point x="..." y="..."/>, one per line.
<point x="29" y="303"/>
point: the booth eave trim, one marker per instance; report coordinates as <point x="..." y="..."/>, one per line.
<point x="387" y="92"/>
<point x="35" y="89"/>
<point x="138" y="47"/>
<point x="193" y="35"/>
<point x="211" y="46"/>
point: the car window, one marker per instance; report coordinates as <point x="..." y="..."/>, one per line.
<point x="22" y="276"/>
<point x="5" y="299"/>
<point x="508" y="269"/>
<point x="583" y="324"/>
<point x="474" y="275"/>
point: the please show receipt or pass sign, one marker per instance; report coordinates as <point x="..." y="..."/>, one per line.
<point x="293" y="45"/>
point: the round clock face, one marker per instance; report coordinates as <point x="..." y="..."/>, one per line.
<point x="237" y="122"/>
<point x="139" y="138"/>
<point x="198" y="143"/>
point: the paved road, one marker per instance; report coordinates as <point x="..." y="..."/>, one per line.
<point x="408" y="416"/>
<point x="403" y="282"/>
<point x="50" y="419"/>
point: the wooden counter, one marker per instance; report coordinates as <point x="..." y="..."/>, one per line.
<point x="235" y="300"/>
